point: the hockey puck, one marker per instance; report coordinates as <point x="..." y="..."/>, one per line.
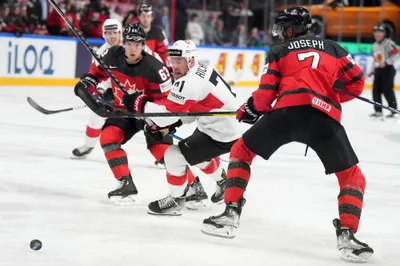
<point x="36" y="244"/>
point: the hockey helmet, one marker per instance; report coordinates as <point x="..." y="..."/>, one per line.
<point x="297" y="18"/>
<point x="145" y="9"/>
<point x="134" y="33"/>
<point x="186" y="49"/>
<point x="111" y="24"/>
<point x="380" y="27"/>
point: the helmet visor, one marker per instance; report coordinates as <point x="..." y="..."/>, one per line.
<point x="277" y="29"/>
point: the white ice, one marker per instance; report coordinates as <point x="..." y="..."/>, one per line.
<point x="287" y="219"/>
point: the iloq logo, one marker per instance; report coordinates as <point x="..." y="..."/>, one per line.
<point x="29" y="59"/>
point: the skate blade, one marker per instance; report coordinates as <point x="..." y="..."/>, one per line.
<point x="126" y="201"/>
<point x="225" y="232"/>
<point x="347" y="255"/>
<point x="195" y="205"/>
<point x="174" y="213"/>
<point x="73" y="157"/>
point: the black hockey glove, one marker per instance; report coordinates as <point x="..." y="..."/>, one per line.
<point x="87" y="83"/>
<point x="158" y="133"/>
<point x="135" y="102"/>
<point x="247" y="113"/>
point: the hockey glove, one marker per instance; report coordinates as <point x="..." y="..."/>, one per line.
<point x="87" y="83"/>
<point x="158" y="133"/>
<point x="247" y="113"/>
<point x="135" y="102"/>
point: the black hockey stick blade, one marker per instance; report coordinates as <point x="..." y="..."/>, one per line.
<point x="45" y="111"/>
<point x="87" y="46"/>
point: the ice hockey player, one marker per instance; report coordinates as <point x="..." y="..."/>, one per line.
<point x="156" y="38"/>
<point x="112" y="31"/>
<point x="300" y="75"/>
<point x="137" y="71"/>
<point x="197" y="88"/>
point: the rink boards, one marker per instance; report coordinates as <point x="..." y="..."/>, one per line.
<point x="59" y="61"/>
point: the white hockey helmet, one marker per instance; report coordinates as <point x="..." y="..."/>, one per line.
<point x="111" y="24"/>
<point x="186" y="49"/>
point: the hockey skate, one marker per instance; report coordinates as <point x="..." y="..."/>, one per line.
<point x="218" y="196"/>
<point x="377" y="116"/>
<point x="393" y="116"/>
<point x="167" y="206"/>
<point x="196" y="197"/>
<point x="81" y="152"/>
<point x="226" y="224"/>
<point x="350" y="248"/>
<point x="125" y="193"/>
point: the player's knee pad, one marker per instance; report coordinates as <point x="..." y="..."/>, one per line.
<point x="352" y="178"/>
<point x="175" y="162"/>
<point x="240" y="153"/>
<point x="111" y="134"/>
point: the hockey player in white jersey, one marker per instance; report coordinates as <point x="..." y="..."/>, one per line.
<point x="197" y="88"/>
<point x="112" y="30"/>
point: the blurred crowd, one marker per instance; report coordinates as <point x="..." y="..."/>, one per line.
<point x="226" y="28"/>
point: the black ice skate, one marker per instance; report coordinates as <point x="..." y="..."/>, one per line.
<point x="218" y="196"/>
<point x="377" y="116"/>
<point x="196" y="197"/>
<point x="392" y="115"/>
<point x="125" y="193"/>
<point x="81" y="152"/>
<point x="350" y="248"/>
<point x="167" y="206"/>
<point x="226" y="224"/>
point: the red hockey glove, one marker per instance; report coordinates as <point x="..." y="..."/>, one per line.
<point x="87" y="83"/>
<point x="157" y="132"/>
<point x="247" y="113"/>
<point x="135" y="102"/>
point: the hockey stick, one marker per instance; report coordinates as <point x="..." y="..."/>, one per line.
<point x="338" y="86"/>
<point x="45" y="111"/>
<point x="238" y="75"/>
<point x="87" y="46"/>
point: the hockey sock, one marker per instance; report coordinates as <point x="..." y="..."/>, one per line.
<point x="177" y="184"/>
<point x="190" y="176"/>
<point x="158" y="150"/>
<point x="110" y="140"/>
<point x="352" y="185"/>
<point x="92" y="134"/>
<point x="238" y="174"/>
<point x="212" y="168"/>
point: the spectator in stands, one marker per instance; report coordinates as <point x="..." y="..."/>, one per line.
<point x="210" y="31"/>
<point x="36" y="26"/>
<point x="117" y="14"/>
<point x="254" y="39"/>
<point x="221" y="37"/>
<point x="194" y="31"/>
<point x="181" y="19"/>
<point x="239" y="36"/>
<point x="93" y="18"/>
<point x="14" y="21"/>
<point x="230" y="19"/>
<point x="4" y="11"/>
<point x="165" y="20"/>
<point x="56" y="24"/>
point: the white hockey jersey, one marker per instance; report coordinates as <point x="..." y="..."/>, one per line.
<point x="107" y="83"/>
<point x="202" y="89"/>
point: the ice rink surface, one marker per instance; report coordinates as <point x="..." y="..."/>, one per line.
<point x="286" y="221"/>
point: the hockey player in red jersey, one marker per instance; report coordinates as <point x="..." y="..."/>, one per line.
<point x="156" y="39"/>
<point x="137" y="71"/>
<point x="197" y="88"/>
<point x="300" y="75"/>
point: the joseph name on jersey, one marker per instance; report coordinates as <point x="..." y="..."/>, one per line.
<point x="201" y="90"/>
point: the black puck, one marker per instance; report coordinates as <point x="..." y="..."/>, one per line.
<point x="36" y="244"/>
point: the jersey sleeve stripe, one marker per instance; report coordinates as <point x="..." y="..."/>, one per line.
<point x="268" y="87"/>
<point x="273" y="72"/>
<point x="347" y="67"/>
<point x="357" y="78"/>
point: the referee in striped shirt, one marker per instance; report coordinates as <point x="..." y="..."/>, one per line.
<point x="385" y="53"/>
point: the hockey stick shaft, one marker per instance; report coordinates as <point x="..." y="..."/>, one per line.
<point x="87" y="46"/>
<point x="391" y="109"/>
<point x="45" y="111"/>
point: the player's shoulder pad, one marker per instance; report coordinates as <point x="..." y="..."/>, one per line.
<point x="156" y="72"/>
<point x="157" y="33"/>
<point x="335" y="48"/>
<point x="112" y="52"/>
